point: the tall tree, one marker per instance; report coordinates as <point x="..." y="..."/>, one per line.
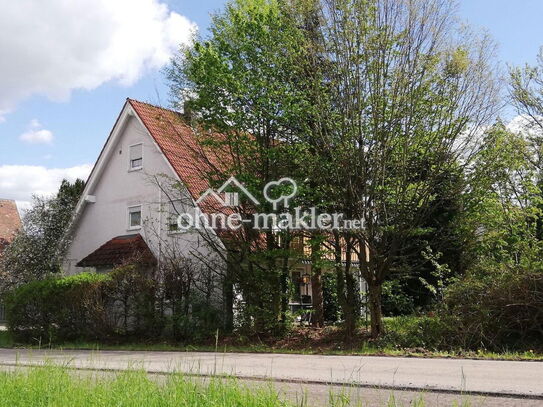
<point x="410" y="94"/>
<point x="243" y="84"/>
<point x="38" y="248"/>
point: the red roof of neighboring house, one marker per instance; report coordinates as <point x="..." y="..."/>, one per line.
<point x="119" y="250"/>
<point x="10" y="222"/>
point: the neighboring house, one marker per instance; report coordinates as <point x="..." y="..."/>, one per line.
<point x="129" y="208"/>
<point x="10" y="222"/>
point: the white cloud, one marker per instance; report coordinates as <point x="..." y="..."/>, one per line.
<point x="526" y="125"/>
<point x="20" y="182"/>
<point x="36" y="135"/>
<point x="52" y="47"/>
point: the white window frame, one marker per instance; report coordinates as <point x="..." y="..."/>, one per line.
<point x="130" y="168"/>
<point x="129" y="211"/>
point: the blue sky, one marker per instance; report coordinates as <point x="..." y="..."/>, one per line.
<point x="65" y="132"/>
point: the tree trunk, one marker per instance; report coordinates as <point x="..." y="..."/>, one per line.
<point x="350" y="285"/>
<point x="318" y="299"/>
<point x="284" y="277"/>
<point x="274" y="272"/>
<point x="284" y="290"/>
<point x="376" y="314"/>
<point x="342" y="289"/>
<point x="316" y="285"/>
<point x="350" y="304"/>
<point x="228" y="300"/>
<point x="342" y="299"/>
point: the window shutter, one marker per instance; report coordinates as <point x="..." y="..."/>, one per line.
<point x="136" y="152"/>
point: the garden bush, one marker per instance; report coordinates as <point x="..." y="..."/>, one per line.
<point x="332" y="310"/>
<point x="395" y="299"/>
<point x="132" y="302"/>
<point x="498" y="311"/>
<point x="129" y="302"/>
<point x="428" y="332"/>
<point x="58" y="308"/>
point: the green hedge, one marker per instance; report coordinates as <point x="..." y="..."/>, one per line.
<point x="58" y="308"/>
<point x="122" y="305"/>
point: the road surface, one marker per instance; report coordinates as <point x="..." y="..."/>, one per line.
<point x="481" y="378"/>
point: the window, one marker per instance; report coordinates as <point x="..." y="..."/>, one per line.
<point x="134" y="217"/>
<point x="136" y="156"/>
<point x="175" y="208"/>
<point x="172" y="221"/>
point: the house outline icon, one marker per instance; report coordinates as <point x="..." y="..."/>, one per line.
<point x="231" y="199"/>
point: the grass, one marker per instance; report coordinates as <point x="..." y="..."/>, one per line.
<point x="54" y="385"/>
<point x="365" y="349"/>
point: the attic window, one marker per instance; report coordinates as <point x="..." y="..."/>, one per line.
<point x="136" y="156"/>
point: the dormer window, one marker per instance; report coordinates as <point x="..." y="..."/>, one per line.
<point x="136" y="157"/>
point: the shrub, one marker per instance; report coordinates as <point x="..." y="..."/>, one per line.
<point x="332" y="311"/>
<point x="200" y="321"/>
<point x="428" y="332"/>
<point x="128" y="302"/>
<point x="58" y="308"/>
<point x="131" y="292"/>
<point x="395" y="299"/>
<point x="502" y="310"/>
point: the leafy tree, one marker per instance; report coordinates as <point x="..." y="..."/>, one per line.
<point x="37" y="250"/>
<point x="243" y="83"/>
<point x="410" y="92"/>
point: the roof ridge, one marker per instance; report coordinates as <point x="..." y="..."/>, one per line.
<point x="155" y="106"/>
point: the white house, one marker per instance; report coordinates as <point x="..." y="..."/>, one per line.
<point x="128" y="206"/>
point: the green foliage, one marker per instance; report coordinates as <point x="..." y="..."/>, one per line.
<point x="332" y="310"/>
<point x="131" y="295"/>
<point x="123" y="304"/>
<point x="246" y="79"/>
<point x="395" y="299"/>
<point x="37" y="250"/>
<point x="55" y="309"/>
<point x="497" y="308"/>
<point x="426" y="332"/>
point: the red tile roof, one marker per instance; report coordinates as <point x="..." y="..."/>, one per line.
<point x="10" y="222"/>
<point x="177" y="142"/>
<point x="180" y="145"/>
<point x="119" y="250"/>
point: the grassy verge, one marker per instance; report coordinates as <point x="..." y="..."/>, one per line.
<point x="364" y="350"/>
<point x="56" y="386"/>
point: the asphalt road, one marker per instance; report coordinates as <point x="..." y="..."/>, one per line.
<point x="413" y="375"/>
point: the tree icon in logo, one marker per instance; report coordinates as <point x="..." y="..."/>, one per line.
<point x="283" y="198"/>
